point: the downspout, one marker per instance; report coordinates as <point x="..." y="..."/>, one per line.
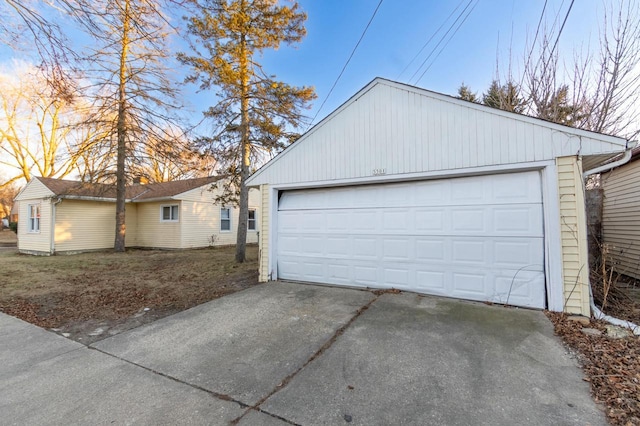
<point x="597" y="313"/>
<point x="53" y="224"/>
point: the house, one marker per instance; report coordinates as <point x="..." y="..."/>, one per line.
<point x="621" y="216"/>
<point x="405" y="188"/>
<point x="57" y="216"/>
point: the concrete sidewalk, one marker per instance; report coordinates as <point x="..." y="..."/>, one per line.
<point x="286" y="353"/>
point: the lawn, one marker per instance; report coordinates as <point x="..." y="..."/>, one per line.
<point x="91" y="296"/>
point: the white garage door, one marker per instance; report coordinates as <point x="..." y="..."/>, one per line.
<point x="478" y="238"/>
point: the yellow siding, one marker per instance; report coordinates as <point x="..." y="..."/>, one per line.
<point x="621" y="218"/>
<point x="573" y="228"/>
<point x="153" y="233"/>
<point x="200" y="219"/>
<point x="90" y="225"/>
<point x="263" y="267"/>
<point x="34" y="242"/>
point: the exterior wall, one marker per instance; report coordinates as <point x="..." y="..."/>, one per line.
<point x="200" y="219"/>
<point x="153" y="233"/>
<point x="263" y="243"/>
<point x="391" y="129"/>
<point x="29" y="242"/>
<point x="621" y="218"/>
<point x="573" y="231"/>
<point x="90" y="225"/>
<point x="35" y="242"/>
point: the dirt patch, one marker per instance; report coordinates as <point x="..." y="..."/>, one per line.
<point x="612" y="366"/>
<point x="91" y="296"/>
<point x="8" y="238"/>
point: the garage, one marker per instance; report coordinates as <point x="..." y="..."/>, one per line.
<point x="401" y="187"/>
<point x="477" y="238"/>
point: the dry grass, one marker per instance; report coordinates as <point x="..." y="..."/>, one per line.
<point x="58" y="291"/>
<point x="8" y="236"/>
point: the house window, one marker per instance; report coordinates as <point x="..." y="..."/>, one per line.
<point x="225" y="219"/>
<point x="169" y="213"/>
<point x="251" y="222"/>
<point x="34" y="217"/>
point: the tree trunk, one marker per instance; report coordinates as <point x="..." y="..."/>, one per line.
<point x="241" y="241"/>
<point x="119" y="245"/>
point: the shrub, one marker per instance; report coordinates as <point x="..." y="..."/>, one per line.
<point x="13" y="226"/>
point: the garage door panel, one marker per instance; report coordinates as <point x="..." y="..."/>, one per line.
<point x="478" y="238"/>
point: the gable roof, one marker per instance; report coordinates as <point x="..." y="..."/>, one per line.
<point x="107" y="192"/>
<point x="403" y="129"/>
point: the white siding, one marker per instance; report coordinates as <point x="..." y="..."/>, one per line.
<point x="263" y="220"/>
<point x="402" y="129"/>
<point x="621" y="218"/>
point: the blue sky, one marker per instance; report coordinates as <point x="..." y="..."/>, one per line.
<point x="402" y="27"/>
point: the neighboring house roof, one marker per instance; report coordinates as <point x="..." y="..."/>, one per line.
<point x="73" y="189"/>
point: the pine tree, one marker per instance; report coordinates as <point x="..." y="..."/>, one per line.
<point x="505" y="97"/>
<point x="465" y="93"/>
<point x="255" y="113"/>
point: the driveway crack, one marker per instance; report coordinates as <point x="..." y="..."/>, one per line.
<point x="217" y="395"/>
<point x="283" y="384"/>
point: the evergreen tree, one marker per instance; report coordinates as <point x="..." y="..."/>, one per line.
<point x="506" y="97"/>
<point x="255" y="113"/>
<point x="465" y="93"/>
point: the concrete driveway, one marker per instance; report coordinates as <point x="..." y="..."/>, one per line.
<point x="285" y="353"/>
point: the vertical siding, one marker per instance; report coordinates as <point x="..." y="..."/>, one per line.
<point x="573" y="230"/>
<point x="621" y="218"/>
<point x="263" y="266"/>
<point x="35" y="242"/>
<point x="407" y="130"/>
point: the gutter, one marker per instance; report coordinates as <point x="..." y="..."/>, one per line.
<point x="597" y="313"/>
<point x="606" y="167"/>
<point x="53" y="225"/>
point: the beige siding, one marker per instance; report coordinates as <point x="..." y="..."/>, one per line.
<point x="573" y="230"/>
<point x="153" y="233"/>
<point x="200" y="219"/>
<point x="393" y="129"/>
<point x="35" y="242"/>
<point x="90" y="225"/>
<point x="263" y="266"/>
<point x="621" y="218"/>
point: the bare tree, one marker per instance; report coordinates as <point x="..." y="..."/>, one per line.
<point x="8" y="191"/>
<point x="41" y="131"/>
<point x="133" y="94"/>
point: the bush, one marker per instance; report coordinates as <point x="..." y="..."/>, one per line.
<point x="13" y="226"/>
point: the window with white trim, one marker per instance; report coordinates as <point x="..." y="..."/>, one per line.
<point x="34" y="218"/>
<point x="225" y="219"/>
<point x="251" y="221"/>
<point x="169" y="213"/>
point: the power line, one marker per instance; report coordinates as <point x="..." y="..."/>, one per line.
<point x="535" y="39"/>
<point x="441" y="39"/>
<point x="430" y="38"/>
<point x="562" y="27"/>
<point x="345" y="65"/>
<point x="447" y="42"/>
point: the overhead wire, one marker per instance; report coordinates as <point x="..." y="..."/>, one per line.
<point x="345" y="65"/>
<point x="447" y="42"/>
<point x="424" y="46"/>
<point x="441" y="40"/>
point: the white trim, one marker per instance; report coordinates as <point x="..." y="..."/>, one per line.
<point x="550" y="205"/>
<point x="30" y="229"/>
<point x="171" y="206"/>
<point x="229" y="219"/>
<point x="255" y="219"/>
<point x="552" y="239"/>
<point x="273" y="230"/>
<point x="439" y="174"/>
